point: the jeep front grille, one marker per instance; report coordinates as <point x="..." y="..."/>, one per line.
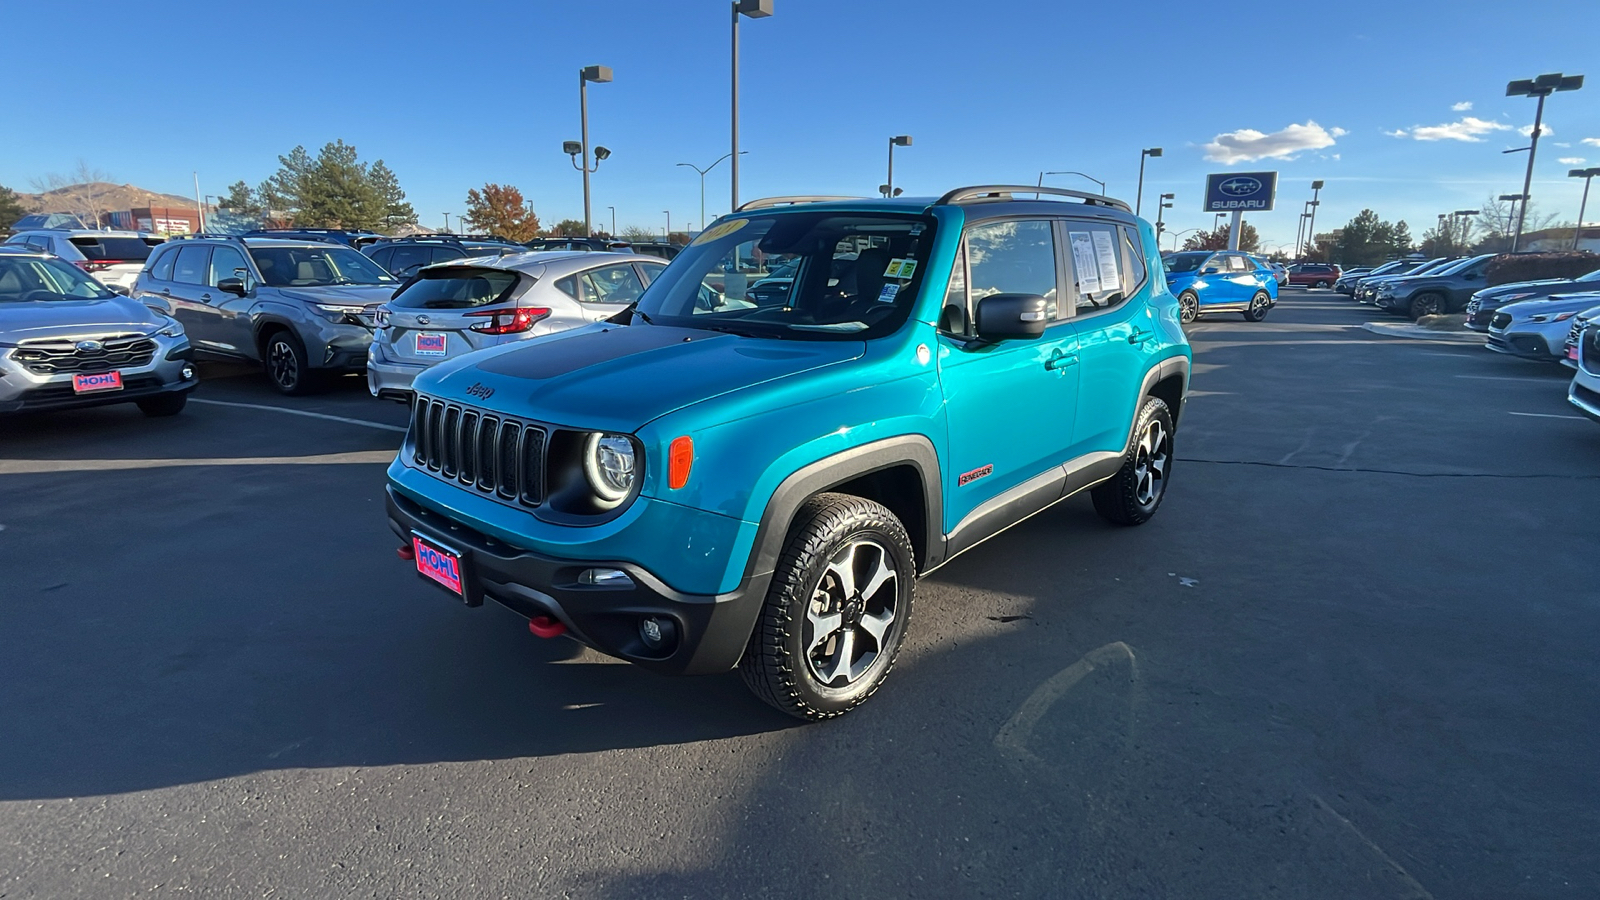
<point x="495" y="455"/>
<point x="54" y="356"/>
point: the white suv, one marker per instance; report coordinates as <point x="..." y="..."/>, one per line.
<point x="112" y="257"/>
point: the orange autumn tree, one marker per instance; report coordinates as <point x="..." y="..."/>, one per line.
<point x="499" y="209"/>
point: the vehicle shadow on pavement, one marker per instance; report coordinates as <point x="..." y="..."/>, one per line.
<point x="182" y="624"/>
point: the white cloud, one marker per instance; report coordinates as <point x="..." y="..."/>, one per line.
<point x="1337" y="132"/>
<point x="1247" y="144"/>
<point x="1572" y="160"/>
<point x="1593" y="142"/>
<point x="1463" y="106"/>
<point x="1468" y="129"/>
<point x="1544" y="130"/>
<point x="1563" y="144"/>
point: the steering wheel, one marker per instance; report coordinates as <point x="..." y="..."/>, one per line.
<point x="40" y="294"/>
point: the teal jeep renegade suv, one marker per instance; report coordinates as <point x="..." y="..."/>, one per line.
<point x="720" y="478"/>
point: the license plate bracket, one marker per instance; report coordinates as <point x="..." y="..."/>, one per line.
<point x="445" y="567"/>
<point x="92" y="383"/>
<point x="431" y="343"/>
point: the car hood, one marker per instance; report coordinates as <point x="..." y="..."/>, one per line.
<point x="1558" y="303"/>
<point x="1543" y="286"/>
<point x="348" y="294"/>
<point x="620" y="377"/>
<point x="67" y="318"/>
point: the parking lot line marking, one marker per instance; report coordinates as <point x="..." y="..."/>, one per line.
<point x="40" y="466"/>
<point x="1405" y="877"/>
<point x="1515" y="378"/>
<point x="301" y="412"/>
<point x="1549" y="416"/>
<point x="1012" y="738"/>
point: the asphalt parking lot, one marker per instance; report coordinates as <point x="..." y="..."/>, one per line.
<point x="1353" y="656"/>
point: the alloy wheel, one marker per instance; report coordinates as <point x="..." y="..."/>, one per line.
<point x="282" y="365"/>
<point x="1150" y="463"/>
<point x="851" y="612"/>
<point x="1188" y="308"/>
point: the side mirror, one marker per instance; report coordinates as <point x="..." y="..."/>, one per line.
<point x="233" y="286"/>
<point x="1002" y="316"/>
<point x="1471" y="276"/>
<point x="118" y="289"/>
<point x="1209" y="270"/>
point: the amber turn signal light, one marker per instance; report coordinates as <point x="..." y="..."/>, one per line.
<point x="680" y="459"/>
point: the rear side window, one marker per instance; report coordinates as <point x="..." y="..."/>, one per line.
<point x="161" y="269"/>
<point x="457" y="287"/>
<point x="191" y="265"/>
<point x="445" y="254"/>
<point x="1095" y="252"/>
<point x="408" y="259"/>
<point x="381" y="257"/>
<point x="612" y="284"/>
<point x="112" y="249"/>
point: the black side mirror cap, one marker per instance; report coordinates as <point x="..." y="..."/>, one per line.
<point x="1004" y="316"/>
<point x="119" y="289"/>
<point x="233" y="286"/>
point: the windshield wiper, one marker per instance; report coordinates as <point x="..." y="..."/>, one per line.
<point x="728" y="329"/>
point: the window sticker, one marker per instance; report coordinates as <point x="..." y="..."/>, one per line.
<point x="1106" y="253"/>
<point x="887" y="294"/>
<point x="900" y="268"/>
<point x="719" y="231"/>
<point x="1084" y="264"/>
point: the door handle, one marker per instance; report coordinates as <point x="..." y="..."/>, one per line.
<point x="1059" y="360"/>
<point x="205" y="298"/>
<point x="1139" y="336"/>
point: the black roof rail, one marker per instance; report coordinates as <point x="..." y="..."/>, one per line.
<point x="794" y="200"/>
<point x="1008" y="191"/>
<point x="447" y="236"/>
<point x="207" y="236"/>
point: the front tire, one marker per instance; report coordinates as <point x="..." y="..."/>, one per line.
<point x="284" y="360"/>
<point x="1426" y="304"/>
<point x="836" y="611"/>
<point x="1320" y="284"/>
<point x="1132" y="495"/>
<point x="1188" y="307"/>
<point x="163" y="405"/>
<point x="1259" y="304"/>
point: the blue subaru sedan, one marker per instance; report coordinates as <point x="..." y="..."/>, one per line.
<point x="1213" y="281"/>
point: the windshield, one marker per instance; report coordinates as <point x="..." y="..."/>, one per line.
<point x="855" y="276"/>
<point x="1185" y="262"/>
<point x="316" y="267"/>
<point x="29" y="279"/>
<point x="1388" y="267"/>
<point x="456" y="287"/>
<point x="1458" y="265"/>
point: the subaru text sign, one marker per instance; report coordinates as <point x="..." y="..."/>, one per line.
<point x="1243" y="191"/>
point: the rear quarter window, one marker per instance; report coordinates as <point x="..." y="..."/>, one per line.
<point x="160" y="268"/>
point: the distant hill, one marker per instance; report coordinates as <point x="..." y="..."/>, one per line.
<point x="109" y="197"/>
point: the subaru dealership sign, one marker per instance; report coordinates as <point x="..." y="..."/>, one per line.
<point x="1240" y="191"/>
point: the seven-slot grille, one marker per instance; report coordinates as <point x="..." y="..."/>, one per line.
<point x="498" y="456"/>
<point x="55" y="356"/>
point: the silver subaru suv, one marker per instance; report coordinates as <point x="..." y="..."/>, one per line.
<point x="301" y="309"/>
<point x="452" y="308"/>
<point x="66" y="340"/>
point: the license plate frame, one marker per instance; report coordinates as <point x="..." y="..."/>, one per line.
<point x="442" y="565"/>
<point x="97" y="382"/>
<point x="438" y="344"/>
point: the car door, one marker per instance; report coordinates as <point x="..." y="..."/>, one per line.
<point x="184" y="291"/>
<point x="608" y="289"/>
<point x="1117" y="334"/>
<point x="1009" y="404"/>
<point x="1466" y="282"/>
<point x="230" y="325"/>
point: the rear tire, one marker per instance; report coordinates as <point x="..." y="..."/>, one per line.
<point x="1188" y="307"/>
<point x="1259" y="304"/>
<point x="836" y="611"/>
<point x="1320" y="284"/>
<point x="1132" y="495"/>
<point x="163" y="405"/>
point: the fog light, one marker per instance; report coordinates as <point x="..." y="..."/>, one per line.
<point x="187" y="373"/>
<point x="658" y="633"/>
<point x="605" y="578"/>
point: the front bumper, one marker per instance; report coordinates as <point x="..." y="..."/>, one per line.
<point x="1524" y="344"/>
<point x="23" y="390"/>
<point x="340" y="346"/>
<point x="711" y="631"/>
<point x="1584" y="396"/>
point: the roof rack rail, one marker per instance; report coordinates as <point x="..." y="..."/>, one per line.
<point x="1004" y="191"/>
<point x="207" y="236"/>
<point x="797" y="199"/>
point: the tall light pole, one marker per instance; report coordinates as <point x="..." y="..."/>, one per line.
<point x="1512" y="215"/>
<point x="1138" y="200"/>
<point x="1460" y="220"/>
<point x="1586" y="175"/>
<point x="1540" y="87"/>
<point x="580" y="150"/>
<point x="669" y="224"/>
<point x="1165" y="205"/>
<point x="1179" y="234"/>
<point x="899" y="140"/>
<point x="613" y="221"/>
<point x="755" y="9"/>
<point x="1316" y="191"/>
<point x="447" y="223"/>
<point x="1069" y="172"/>
<point x="703" y="181"/>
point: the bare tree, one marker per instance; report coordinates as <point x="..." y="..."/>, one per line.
<point x="79" y="192"/>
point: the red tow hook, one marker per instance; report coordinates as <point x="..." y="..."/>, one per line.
<point x="547" y="627"/>
<point x="406" y="552"/>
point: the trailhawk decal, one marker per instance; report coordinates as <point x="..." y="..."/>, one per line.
<point x="974" y="475"/>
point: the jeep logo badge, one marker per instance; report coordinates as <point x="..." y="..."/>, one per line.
<point x="480" y="391"/>
<point x="1240" y="187"/>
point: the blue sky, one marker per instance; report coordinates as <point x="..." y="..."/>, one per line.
<point x="1368" y="96"/>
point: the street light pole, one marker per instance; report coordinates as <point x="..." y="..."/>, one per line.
<point x="755" y="9"/>
<point x="1138" y="200"/>
<point x="1540" y="87"/>
<point x="1316" y="191"/>
<point x="669" y="224"/>
<point x="703" y="180"/>
<point x="1586" y="175"/>
<point x="598" y="75"/>
<point x="613" y="221"/>
<point x="1161" y="209"/>
<point x="899" y="140"/>
<point x="1069" y="172"/>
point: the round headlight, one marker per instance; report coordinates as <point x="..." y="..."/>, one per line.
<point x="608" y="462"/>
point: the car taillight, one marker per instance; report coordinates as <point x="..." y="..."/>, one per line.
<point x="508" y="321"/>
<point x="97" y="265"/>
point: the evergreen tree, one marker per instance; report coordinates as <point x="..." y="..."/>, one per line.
<point x="11" y="208"/>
